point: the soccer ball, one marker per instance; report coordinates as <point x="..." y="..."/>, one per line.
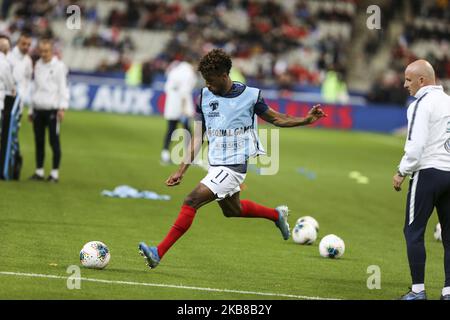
<point x="304" y="233"/>
<point x="309" y="220"/>
<point x="95" y="255"/>
<point x="437" y="232"/>
<point x="331" y="246"/>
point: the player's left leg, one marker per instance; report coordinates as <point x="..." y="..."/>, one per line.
<point x="165" y="153"/>
<point x="54" y="129"/>
<point x="185" y="121"/>
<point x="234" y="207"/>
<point x="39" y="127"/>
<point x="231" y="206"/>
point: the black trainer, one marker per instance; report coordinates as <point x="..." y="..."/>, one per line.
<point x="446" y="297"/>
<point x="52" y="179"/>
<point x="36" y="177"/>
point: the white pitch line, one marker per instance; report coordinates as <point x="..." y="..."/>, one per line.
<point x="146" y="284"/>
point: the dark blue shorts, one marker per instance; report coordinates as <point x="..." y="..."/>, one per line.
<point x="428" y="189"/>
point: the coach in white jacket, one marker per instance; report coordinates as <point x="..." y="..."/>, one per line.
<point x="22" y="66"/>
<point x="427" y="160"/>
<point x="50" y="97"/>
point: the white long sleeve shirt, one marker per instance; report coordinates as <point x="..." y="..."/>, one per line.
<point x="181" y="81"/>
<point x="22" y="71"/>
<point x="50" y="90"/>
<point x="7" y="85"/>
<point x="428" y="141"/>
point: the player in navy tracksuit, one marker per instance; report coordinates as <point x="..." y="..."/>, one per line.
<point x="427" y="160"/>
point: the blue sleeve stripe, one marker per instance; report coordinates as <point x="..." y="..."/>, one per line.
<point x="414" y="116"/>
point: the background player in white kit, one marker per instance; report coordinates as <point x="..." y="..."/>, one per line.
<point x="22" y="66"/>
<point x="179" y="105"/>
<point x="50" y="98"/>
<point x="7" y="86"/>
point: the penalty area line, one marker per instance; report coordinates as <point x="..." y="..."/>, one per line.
<point x="162" y="285"/>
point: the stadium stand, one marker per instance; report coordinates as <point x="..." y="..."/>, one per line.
<point x="425" y="34"/>
<point x="284" y="44"/>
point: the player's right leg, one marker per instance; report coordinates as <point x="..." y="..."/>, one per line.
<point x="200" y="196"/>
<point x="419" y="206"/>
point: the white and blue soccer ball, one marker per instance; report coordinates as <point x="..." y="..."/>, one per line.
<point x="304" y="233"/>
<point x="95" y="255"/>
<point x="309" y="220"/>
<point x="438" y="232"/>
<point x="331" y="246"/>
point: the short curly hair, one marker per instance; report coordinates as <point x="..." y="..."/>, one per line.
<point x="215" y="63"/>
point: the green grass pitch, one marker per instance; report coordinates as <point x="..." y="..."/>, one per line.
<point x="43" y="226"/>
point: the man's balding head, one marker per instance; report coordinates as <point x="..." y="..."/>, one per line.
<point x="4" y="44"/>
<point x="418" y="74"/>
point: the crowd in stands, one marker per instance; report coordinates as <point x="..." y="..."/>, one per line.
<point x="32" y="17"/>
<point x="426" y="35"/>
<point x="273" y="42"/>
<point x="272" y="31"/>
<point x="156" y="15"/>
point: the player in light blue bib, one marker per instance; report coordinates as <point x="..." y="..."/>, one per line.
<point x="228" y="113"/>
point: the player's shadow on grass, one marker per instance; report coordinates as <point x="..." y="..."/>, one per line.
<point x="343" y="258"/>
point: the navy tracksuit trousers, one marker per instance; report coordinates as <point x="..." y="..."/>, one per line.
<point x="428" y="189"/>
<point x="41" y="120"/>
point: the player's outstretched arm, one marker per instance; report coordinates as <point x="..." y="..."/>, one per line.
<point x="195" y="147"/>
<point x="284" y="120"/>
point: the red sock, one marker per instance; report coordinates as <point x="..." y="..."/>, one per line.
<point x="254" y="210"/>
<point x="180" y="226"/>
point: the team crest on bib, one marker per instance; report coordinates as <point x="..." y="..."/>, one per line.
<point x="214" y="105"/>
<point x="447" y="145"/>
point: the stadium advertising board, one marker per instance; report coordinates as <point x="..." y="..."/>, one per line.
<point x="118" y="98"/>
